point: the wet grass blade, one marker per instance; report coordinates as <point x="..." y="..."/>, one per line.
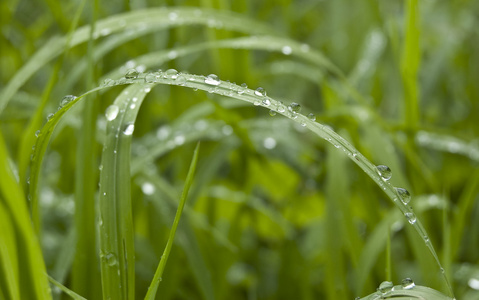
<point x="116" y="225"/>
<point x="152" y="290"/>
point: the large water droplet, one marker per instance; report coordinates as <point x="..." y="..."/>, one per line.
<point x="111" y="112"/>
<point x="294" y="107"/>
<point x="131" y="74"/>
<point x="171" y="73"/>
<point x="129" y="128"/>
<point x="386" y="287"/>
<point x="312" y="117"/>
<point x="266" y="102"/>
<point x="411" y="217"/>
<point x="212" y="79"/>
<point x="407" y="283"/>
<point x="67" y="99"/>
<point x="403" y="195"/>
<point x="260" y="92"/>
<point x="384" y="172"/>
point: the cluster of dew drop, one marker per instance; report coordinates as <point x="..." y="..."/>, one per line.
<point x="387" y="287"/>
<point x="403" y="195"/>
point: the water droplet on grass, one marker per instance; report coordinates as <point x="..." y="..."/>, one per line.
<point x="67" y="99"/>
<point x="148" y="188"/>
<point x="181" y="80"/>
<point x="108" y="82"/>
<point x="386" y="287"/>
<point x="212" y="79"/>
<point x="171" y="73"/>
<point x="111" y="259"/>
<point x="407" y="283"/>
<point x="111" y="112"/>
<point x="411" y="217"/>
<point x="269" y="143"/>
<point x="260" y="92"/>
<point x="385" y="172"/>
<point x="50" y="116"/>
<point x="179" y="140"/>
<point x="312" y="117"/>
<point x="266" y="102"/>
<point x="129" y="128"/>
<point x="403" y="195"/>
<point x="150" y="78"/>
<point x="37" y="133"/>
<point x="287" y="50"/>
<point x="272" y="113"/>
<point x="131" y="74"/>
<point x="294" y="107"/>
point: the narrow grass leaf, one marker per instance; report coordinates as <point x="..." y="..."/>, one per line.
<point x="152" y="290"/>
<point x="66" y="290"/>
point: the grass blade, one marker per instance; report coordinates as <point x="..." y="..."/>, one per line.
<point x="65" y="289"/>
<point x="116" y="225"/>
<point x="151" y="294"/>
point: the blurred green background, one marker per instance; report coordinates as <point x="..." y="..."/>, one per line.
<point x="274" y="211"/>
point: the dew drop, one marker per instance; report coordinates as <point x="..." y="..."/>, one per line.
<point x="129" y="129"/>
<point x="108" y="82"/>
<point x="312" y="117"/>
<point x="269" y="143"/>
<point x="294" y="107"/>
<point x="266" y="102"/>
<point x="50" y="116"/>
<point x="403" y="195"/>
<point x="131" y="74"/>
<point x="385" y="172"/>
<point x="132" y="106"/>
<point x="111" y="112"/>
<point x="260" y="92"/>
<point x="212" y="79"/>
<point x="242" y="88"/>
<point x="37" y="133"/>
<point x="411" y="217"/>
<point x="67" y="99"/>
<point x="179" y="140"/>
<point x="171" y="73"/>
<point x="181" y="80"/>
<point x="148" y="188"/>
<point x="150" y="78"/>
<point x="287" y="50"/>
<point x="272" y="113"/>
<point x="147" y="89"/>
<point x="407" y="283"/>
<point x="256" y="102"/>
<point x="386" y="287"/>
<point x="111" y="259"/>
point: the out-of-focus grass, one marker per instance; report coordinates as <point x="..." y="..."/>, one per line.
<point x="274" y="212"/>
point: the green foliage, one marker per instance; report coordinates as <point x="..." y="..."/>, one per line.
<point x="276" y="210"/>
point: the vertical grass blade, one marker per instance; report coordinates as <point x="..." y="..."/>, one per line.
<point x="8" y="256"/>
<point x="151" y="294"/>
<point x="116" y="225"/>
<point x="410" y="60"/>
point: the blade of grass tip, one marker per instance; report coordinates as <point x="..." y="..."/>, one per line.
<point x="410" y="61"/>
<point x="14" y="200"/>
<point x="151" y="294"/>
<point x="65" y="289"/>
<point x="116" y="224"/>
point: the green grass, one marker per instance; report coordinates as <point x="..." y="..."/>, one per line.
<point x="276" y="209"/>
